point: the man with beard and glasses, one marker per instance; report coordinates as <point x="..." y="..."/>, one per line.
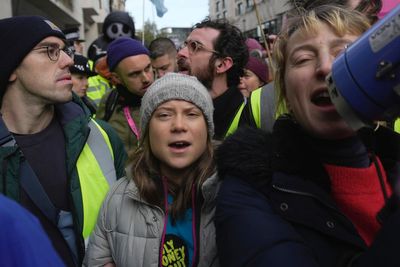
<point x="215" y="52"/>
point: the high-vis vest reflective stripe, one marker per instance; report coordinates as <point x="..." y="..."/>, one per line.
<point x="263" y="107"/>
<point x="96" y="173"/>
<point x="98" y="86"/>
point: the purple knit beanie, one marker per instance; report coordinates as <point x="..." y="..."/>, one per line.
<point x="253" y="44"/>
<point x="122" y="48"/>
<point x="259" y="67"/>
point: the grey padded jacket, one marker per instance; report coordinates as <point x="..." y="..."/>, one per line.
<point x="129" y="230"/>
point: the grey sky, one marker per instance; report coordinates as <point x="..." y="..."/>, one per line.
<point x="181" y="13"/>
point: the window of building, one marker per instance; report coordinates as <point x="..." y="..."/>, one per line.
<point x="217" y="6"/>
<point x="225" y="14"/>
<point x="239" y="10"/>
<point x="223" y="4"/>
<point x="271" y="26"/>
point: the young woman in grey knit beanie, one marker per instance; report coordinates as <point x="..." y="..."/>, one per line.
<point x="161" y="214"/>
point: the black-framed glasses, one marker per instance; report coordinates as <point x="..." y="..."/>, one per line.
<point x="54" y="51"/>
<point x="195" y="46"/>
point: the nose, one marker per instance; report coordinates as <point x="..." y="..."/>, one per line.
<point x="324" y="65"/>
<point x="178" y="123"/>
<point x="183" y="53"/>
<point x="147" y="76"/>
<point x="241" y="84"/>
<point x="66" y="60"/>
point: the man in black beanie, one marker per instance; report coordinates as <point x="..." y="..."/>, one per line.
<point x="56" y="161"/>
<point x="130" y="66"/>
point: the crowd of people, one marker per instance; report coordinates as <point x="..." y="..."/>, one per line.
<point x="210" y="154"/>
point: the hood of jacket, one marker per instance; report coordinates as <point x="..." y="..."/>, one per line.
<point x="209" y="188"/>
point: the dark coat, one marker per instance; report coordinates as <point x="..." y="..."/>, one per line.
<point x="275" y="209"/>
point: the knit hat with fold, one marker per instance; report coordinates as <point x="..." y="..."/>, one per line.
<point x="176" y="86"/>
<point x="122" y="48"/>
<point x="19" y="35"/>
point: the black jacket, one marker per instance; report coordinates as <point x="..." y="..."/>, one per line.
<point x="275" y="209"/>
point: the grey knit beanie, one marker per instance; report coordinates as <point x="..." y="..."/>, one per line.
<point x="176" y="86"/>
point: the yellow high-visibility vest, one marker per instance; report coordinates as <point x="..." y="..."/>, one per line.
<point x="96" y="172"/>
<point x="262" y="103"/>
<point x="397" y="126"/>
<point x="98" y="86"/>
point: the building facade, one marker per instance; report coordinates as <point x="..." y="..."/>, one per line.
<point x="242" y="13"/>
<point x="87" y="15"/>
<point x="177" y="35"/>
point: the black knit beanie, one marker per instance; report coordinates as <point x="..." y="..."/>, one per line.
<point x="19" y="35"/>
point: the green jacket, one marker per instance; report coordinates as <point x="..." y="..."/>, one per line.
<point x="73" y="117"/>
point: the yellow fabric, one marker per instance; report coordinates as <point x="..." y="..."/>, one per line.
<point x="98" y="86"/>
<point x="235" y="123"/>
<point x="255" y="99"/>
<point x="105" y="136"/>
<point x="397" y="125"/>
<point x="94" y="185"/>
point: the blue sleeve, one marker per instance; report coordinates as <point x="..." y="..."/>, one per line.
<point x="250" y="233"/>
<point x="23" y="241"/>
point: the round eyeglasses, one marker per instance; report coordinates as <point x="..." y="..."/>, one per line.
<point x="54" y="51"/>
<point x="195" y="46"/>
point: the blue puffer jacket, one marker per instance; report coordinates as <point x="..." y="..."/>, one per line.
<point x="274" y="207"/>
<point x="23" y="241"/>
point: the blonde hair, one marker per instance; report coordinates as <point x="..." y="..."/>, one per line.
<point x="341" y="20"/>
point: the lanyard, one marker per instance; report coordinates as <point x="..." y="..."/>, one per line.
<point x="131" y="122"/>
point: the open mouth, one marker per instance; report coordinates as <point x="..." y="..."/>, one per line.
<point x="322" y="99"/>
<point x="179" y="144"/>
<point x="182" y="65"/>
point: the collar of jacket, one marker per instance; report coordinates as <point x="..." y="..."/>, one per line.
<point x="72" y="110"/>
<point x="209" y="189"/>
<point x="73" y="117"/>
<point x="126" y="98"/>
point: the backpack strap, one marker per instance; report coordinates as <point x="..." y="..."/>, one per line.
<point x="34" y="189"/>
<point x="111" y="103"/>
<point x="29" y="180"/>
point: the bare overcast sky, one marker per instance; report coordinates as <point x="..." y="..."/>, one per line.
<point x="181" y="13"/>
